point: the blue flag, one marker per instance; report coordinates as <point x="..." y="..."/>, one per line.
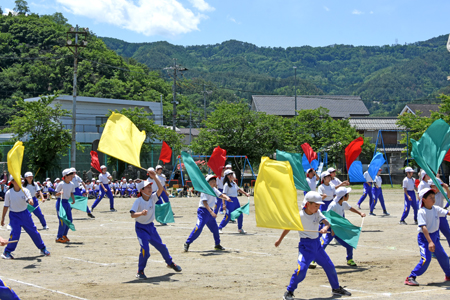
<point x="306" y="165"/>
<point x="355" y="173"/>
<point x="376" y="163"/>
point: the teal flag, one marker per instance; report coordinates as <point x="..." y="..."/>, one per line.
<point x="295" y="159"/>
<point x="163" y="213"/>
<point x="31" y="208"/>
<point x="63" y="216"/>
<point x="430" y="150"/>
<point x="196" y="176"/>
<point x="342" y="228"/>
<point x="241" y="210"/>
<point x="81" y="203"/>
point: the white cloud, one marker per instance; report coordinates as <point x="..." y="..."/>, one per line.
<point x="357" y="12"/>
<point x="156" y="17"/>
<point x="326" y="8"/>
<point x="233" y="20"/>
<point x="201" y="5"/>
<point x="6" y="11"/>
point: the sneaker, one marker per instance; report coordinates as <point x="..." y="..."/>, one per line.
<point x="313" y="265"/>
<point x="402" y="223"/>
<point x="411" y="281"/>
<point x="113" y="210"/>
<point x="220" y="231"/>
<point x="45" y="227"/>
<point x="61" y="240"/>
<point x="219" y="247"/>
<point x="288" y="295"/>
<point x="66" y="238"/>
<point x="163" y="224"/>
<point x="340" y="292"/>
<point x="45" y="252"/>
<point x="177" y="268"/>
<point x="186" y="247"/>
<point x="359" y="206"/>
<point x="351" y="262"/>
<point x="242" y="231"/>
<point x="141" y="275"/>
<point x="232" y="221"/>
<point x="415" y="222"/>
<point x="7" y="255"/>
<point x="91" y="215"/>
<point x="372" y="214"/>
<point x="386" y="213"/>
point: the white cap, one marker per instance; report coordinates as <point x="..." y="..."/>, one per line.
<point x="47" y="179"/>
<point x="309" y="170"/>
<point x="11" y="178"/>
<point x="227" y="172"/>
<point x="422" y="174"/>
<point x="228" y="166"/>
<point x="102" y="167"/>
<point x="423" y="192"/>
<point x="150" y="169"/>
<point x="158" y="167"/>
<point x="331" y="170"/>
<point x="28" y="174"/>
<point x="323" y="174"/>
<point x="66" y="171"/>
<point x="341" y="192"/>
<point x="209" y="177"/>
<point x="98" y="181"/>
<point x="73" y="170"/>
<point x="314" y="197"/>
<point x="57" y="179"/>
<point x="130" y="179"/>
<point x="124" y="180"/>
<point x="409" y="169"/>
<point x="143" y="184"/>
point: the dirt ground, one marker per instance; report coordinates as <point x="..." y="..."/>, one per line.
<point x="101" y="260"/>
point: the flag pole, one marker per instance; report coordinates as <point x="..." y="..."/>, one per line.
<point x="362" y="222"/>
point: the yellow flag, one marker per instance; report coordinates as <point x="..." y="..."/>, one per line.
<point x="14" y="159"/>
<point x="276" y="197"/>
<point x="122" y="139"/>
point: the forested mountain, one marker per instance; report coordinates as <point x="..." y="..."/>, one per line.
<point x="386" y="77"/>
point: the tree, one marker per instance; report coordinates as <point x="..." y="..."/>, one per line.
<point x="21" y="7"/>
<point x="1" y="11"/>
<point x="38" y="123"/>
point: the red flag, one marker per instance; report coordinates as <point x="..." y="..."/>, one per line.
<point x="166" y="153"/>
<point x="217" y="160"/>
<point x="353" y="150"/>
<point x="447" y="156"/>
<point x="94" y="161"/>
<point x="309" y="152"/>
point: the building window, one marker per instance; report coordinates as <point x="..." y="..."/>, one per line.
<point x="100" y="121"/>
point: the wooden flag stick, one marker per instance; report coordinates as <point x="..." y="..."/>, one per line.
<point x="362" y="222"/>
<point x="10" y="242"/>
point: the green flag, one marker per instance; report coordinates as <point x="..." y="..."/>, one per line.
<point x="197" y="178"/>
<point x="295" y="159"/>
<point x="342" y="228"/>
<point x="430" y="150"/>
<point x="80" y="203"/>
<point x="31" y="208"/>
<point x="163" y="213"/>
<point x="63" y="216"/>
<point x="241" y="210"/>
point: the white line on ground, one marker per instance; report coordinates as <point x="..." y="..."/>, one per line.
<point x="53" y="291"/>
<point x="91" y="262"/>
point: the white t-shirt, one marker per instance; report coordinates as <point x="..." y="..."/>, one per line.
<point x="123" y="185"/>
<point x="33" y="189"/>
<point x="104" y="177"/>
<point x="151" y="180"/>
<point x="96" y="187"/>
<point x="335" y="181"/>
<point x="17" y="201"/>
<point x="430" y="218"/>
<point x="408" y="184"/>
<point x="210" y="199"/>
<point x="378" y="181"/>
<point x="328" y="190"/>
<point x="439" y="200"/>
<point x="162" y="179"/>
<point x="67" y="188"/>
<point x="422" y="185"/>
<point x="367" y="177"/>
<point x="230" y="191"/>
<point x="339" y="209"/>
<point x="219" y="181"/>
<point x="310" y="222"/>
<point x="76" y="180"/>
<point x="311" y="182"/>
<point x="140" y="204"/>
<point x="116" y="185"/>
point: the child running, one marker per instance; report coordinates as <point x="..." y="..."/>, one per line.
<point x="162" y="178"/>
<point x="428" y="238"/>
<point x="17" y="200"/>
<point x="34" y="188"/>
<point x="367" y="186"/>
<point x="310" y="249"/>
<point x="64" y="191"/>
<point x="77" y="182"/>
<point x="143" y="210"/>
<point x="104" y="189"/>
<point x="377" y="193"/>
<point x="206" y="215"/>
<point x="339" y="206"/>
<point x="327" y="190"/>
<point x="311" y="178"/>
<point x="231" y="189"/>
<point x="439" y="202"/>
<point x="410" y="196"/>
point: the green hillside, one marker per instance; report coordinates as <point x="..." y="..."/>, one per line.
<point x="386" y="77"/>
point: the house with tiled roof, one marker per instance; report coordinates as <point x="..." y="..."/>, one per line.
<point x="422" y="110"/>
<point x="339" y="106"/>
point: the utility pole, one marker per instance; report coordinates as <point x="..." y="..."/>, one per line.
<point x="295" y="88"/>
<point x="162" y="112"/>
<point x="204" y="99"/>
<point x="75" y="51"/>
<point x="175" y="69"/>
<point x="190" y="126"/>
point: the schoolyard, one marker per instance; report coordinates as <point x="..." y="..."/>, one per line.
<point x="100" y="262"/>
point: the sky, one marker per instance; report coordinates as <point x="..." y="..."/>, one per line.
<point x="268" y="23"/>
